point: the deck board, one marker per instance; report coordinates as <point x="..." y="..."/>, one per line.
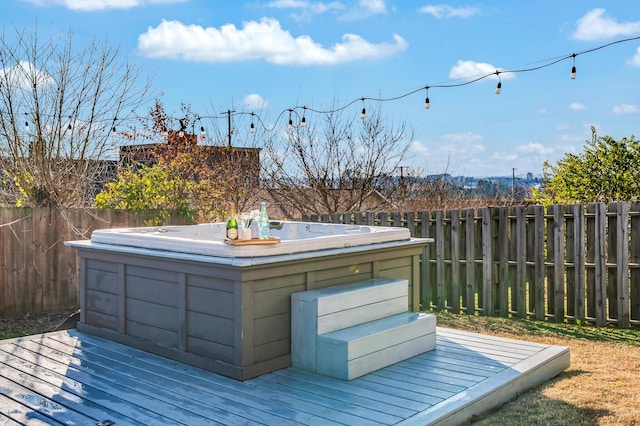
<point x="68" y="377"/>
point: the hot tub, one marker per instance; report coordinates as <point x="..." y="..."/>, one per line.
<point x="208" y="238"/>
<point x="181" y="292"/>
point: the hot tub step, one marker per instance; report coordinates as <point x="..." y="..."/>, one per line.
<point x="352" y="352"/>
<point x="328" y="309"/>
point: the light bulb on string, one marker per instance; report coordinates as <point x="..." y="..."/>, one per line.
<point x="303" y="122"/>
<point x="427" y="103"/>
<point x="26" y="126"/>
<point x="499" y="86"/>
<point x="573" y="69"/>
<point x="290" y="120"/>
<point x="363" y="114"/>
<point x="252" y="128"/>
<point x="203" y="133"/>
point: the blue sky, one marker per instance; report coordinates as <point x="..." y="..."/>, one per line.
<point x="268" y="56"/>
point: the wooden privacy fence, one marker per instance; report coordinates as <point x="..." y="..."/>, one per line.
<point x="576" y="263"/>
<point x="37" y="271"/>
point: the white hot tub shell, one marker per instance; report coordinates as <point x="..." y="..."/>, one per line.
<point x="208" y="239"/>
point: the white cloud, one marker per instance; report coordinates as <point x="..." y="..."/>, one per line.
<point x="597" y="25"/>
<point x="535" y="148"/>
<point x="446" y="11"/>
<point x="463" y="141"/>
<point x="23" y="74"/>
<point x="91" y="5"/>
<point x="577" y="106"/>
<point x="419" y="148"/>
<point x="468" y="70"/>
<point x="306" y="8"/>
<point x="503" y="157"/>
<point x="635" y="61"/>
<point x="623" y="109"/>
<point x="255" y="101"/>
<point x="264" y="40"/>
<point x="365" y="9"/>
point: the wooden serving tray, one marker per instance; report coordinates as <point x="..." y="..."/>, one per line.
<point x="253" y="241"/>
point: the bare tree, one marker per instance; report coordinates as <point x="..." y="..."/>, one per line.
<point x="340" y="164"/>
<point x="58" y="105"/>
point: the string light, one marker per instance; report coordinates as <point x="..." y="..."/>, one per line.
<point x="26" y="126"/>
<point x="427" y="103"/>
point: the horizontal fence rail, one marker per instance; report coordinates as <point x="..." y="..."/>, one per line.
<point x="563" y="262"/>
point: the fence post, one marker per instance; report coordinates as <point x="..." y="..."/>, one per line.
<point x="440" y="273"/>
<point x="426" y="282"/>
<point x="470" y="257"/>
<point x="487" y="263"/>
<point x="622" y="262"/>
<point x="502" y="250"/>
<point x="600" y="286"/>
<point x="634" y="258"/>
<point x="558" y="262"/>
<point x="454" y="218"/>
<point x="410" y="222"/>
<point x="521" y="261"/>
<point x="578" y="261"/>
<point x="540" y="267"/>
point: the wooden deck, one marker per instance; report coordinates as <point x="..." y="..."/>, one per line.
<point x="71" y="378"/>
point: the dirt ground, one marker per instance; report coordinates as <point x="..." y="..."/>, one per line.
<point x="27" y="324"/>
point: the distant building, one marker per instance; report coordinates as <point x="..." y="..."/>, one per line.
<point x="247" y="160"/>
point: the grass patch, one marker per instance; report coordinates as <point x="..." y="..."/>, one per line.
<point x="27" y="324"/>
<point x="599" y="388"/>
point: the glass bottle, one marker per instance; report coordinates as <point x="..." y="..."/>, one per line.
<point x="263" y="222"/>
<point x="232" y="228"/>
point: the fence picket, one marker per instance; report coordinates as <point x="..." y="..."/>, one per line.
<point x="503" y="261"/>
<point x="578" y="261"/>
<point x="540" y="266"/>
<point x="487" y="263"/>
<point x="558" y="264"/>
<point x="622" y="261"/>
<point x="440" y="272"/>
<point x="470" y="261"/>
<point x="521" y="262"/>
<point x="426" y="282"/>
<point x="600" y="265"/>
<point x="454" y="219"/>
<point x="634" y="259"/>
